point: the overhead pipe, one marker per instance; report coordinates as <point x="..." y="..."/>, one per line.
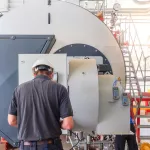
<point x="135" y="12"/>
<point x="142" y="2"/>
<point x="128" y="20"/>
<point x="126" y="10"/>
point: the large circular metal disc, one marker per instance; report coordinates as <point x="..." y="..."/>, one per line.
<point x="69" y="23"/>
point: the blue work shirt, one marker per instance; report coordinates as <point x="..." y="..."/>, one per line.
<point x="131" y="121"/>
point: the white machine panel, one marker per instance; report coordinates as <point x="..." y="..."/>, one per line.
<point x="99" y="59"/>
<point x="84" y="93"/>
<point x="26" y="61"/>
<point x="114" y="118"/>
<point x="77" y="26"/>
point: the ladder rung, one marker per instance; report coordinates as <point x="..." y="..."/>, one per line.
<point x="133" y="79"/>
<point x="133" y="84"/>
<point x="142" y="107"/>
<point x="131" y="67"/>
<point x="143" y="116"/>
<point x="125" y="54"/>
<point x="144" y="137"/>
<point x="143" y="126"/>
<point x="132" y="90"/>
<point x="129" y="71"/>
<point x="130" y="77"/>
<point x="148" y="79"/>
<point x="125" y="51"/>
<point x="130" y="81"/>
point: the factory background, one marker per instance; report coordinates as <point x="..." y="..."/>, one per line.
<point x="129" y="22"/>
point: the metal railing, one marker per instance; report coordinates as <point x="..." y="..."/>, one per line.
<point x="146" y="73"/>
<point x="129" y="38"/>
<point x="96" y="5"/>
<point x="138" y="70"/>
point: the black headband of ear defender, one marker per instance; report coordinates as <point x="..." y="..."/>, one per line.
<point x="43" y="67"/>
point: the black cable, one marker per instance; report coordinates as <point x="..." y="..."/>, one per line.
<point x="77" y="138"/>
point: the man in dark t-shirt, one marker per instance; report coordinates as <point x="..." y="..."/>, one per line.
<point x="36" y="109"/>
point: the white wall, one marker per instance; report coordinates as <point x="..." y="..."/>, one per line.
<point x="3" y="5"/>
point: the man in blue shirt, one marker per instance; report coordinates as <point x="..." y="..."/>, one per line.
<point x="120" y="140"/>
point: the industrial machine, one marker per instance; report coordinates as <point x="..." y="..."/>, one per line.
<point x="86" y="58"/>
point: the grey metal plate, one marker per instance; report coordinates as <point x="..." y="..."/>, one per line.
<point x="26" y="61"/>
<point x="9" y="50"/>
<point x="113" y="117"/>
<point x="84" y="93"/>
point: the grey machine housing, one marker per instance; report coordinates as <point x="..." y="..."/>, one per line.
<point x="61" y="28"/>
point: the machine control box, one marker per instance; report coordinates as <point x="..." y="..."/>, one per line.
<point x="116" y="95"/>
<point x="125" y="99"/>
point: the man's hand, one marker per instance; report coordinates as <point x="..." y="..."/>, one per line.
<point x="67" y="123"/>
<point x="12" y="120"/>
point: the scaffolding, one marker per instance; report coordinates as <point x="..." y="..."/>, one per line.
<point x="137" y="69"/>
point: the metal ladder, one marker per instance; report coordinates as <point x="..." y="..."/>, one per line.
<point x="132" y="79"/>
<point x="132" y="83"/>
<point x="133" y="87"/>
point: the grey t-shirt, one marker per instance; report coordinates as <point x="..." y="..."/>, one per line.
<point x="39" y="104"/>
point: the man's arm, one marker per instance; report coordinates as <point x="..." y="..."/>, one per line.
<point x="67" y="123"/>
<point x="12" y="112"/>
<point x="12" y="120"/>
<point x="66" y="112"/>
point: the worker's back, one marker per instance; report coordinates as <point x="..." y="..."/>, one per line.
<point x="39" y="108"/>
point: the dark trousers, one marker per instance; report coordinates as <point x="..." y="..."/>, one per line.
<point x="120" y="141"/>
<point x="34" y="146"/>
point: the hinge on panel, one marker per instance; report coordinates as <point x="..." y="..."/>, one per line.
<point x="49" y="18"/>
<point x="49" y="2"/>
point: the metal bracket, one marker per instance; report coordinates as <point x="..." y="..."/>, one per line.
<point x="49" y="18"/>
<point x="49" y="2"/>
